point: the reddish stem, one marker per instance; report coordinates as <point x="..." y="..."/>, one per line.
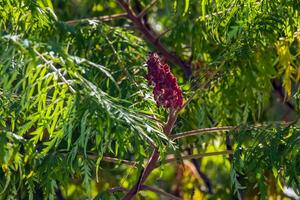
<point x="153" y="39"/>
<point x="146" y="172"/>
<point x="151" y="165"/>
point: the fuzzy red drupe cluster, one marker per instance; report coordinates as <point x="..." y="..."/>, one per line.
<point x="166" y="90"/>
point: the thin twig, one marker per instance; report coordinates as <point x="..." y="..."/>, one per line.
<point x="152" y="117"/>
<point x="115" y="189"/>
<point x="94" y="156"/>
<point x="100" y="18"/>
<point x="146" y="187"/>
<point x="162" y="34"/>
<point x="201" y="155"/>
<point x="116" y="160"/>
<point x="201" y="131"/>
<point x="160" y="192"/>
<point x="56" y="70"/>
<point x="168" y="160"/>
<point x="205" y="85"/>
<point x="112" y="160"/>
<point x="141" y="14"/>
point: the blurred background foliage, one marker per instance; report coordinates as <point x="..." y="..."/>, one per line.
<point x="73" y="94"/>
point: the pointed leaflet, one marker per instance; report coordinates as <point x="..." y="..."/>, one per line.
<point x="186" y="7"/>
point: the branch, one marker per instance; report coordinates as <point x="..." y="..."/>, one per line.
<point x="201" y="155"/>
<point x="160" y="192"/>
<point x="115" y="189"/>
<point x="152" y="163"/>
<point x="100" y="18"/>
<point x="205" y="85"/>
<point x="116" y="160"/>
<point x="206" y="180"/>
<point x="112" y="160"/>
<point x="141" y="14"/>
<point x="151" y="38"/>
<point x="168" y="160"/>
<point x="56" y="70"/>
<point x="150" y="188"/>
<point x="162" y="34"/>
<point x="151" y="116"/>
<point x="202" y="131"/>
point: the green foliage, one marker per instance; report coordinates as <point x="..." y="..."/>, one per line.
<point x="72" y="94"/>
<point x="277" y="157"/>
<point x="58" y="103"/>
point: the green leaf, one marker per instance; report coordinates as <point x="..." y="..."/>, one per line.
<point x="186" y="7"/>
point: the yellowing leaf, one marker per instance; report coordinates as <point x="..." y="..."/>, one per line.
<point x="30" y="174"/>
<point x="5" y="168"/>
<point x="186" y="7"/>
<point x="284" y="54"/>
<point x="287" y="80"/>
<point x="175" y="6"/>
<point x="298" y="75"/>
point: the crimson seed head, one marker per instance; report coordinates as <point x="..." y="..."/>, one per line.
<point x="166" y="90"/>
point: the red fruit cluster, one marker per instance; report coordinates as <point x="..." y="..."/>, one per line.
<point x="166" y="90"/>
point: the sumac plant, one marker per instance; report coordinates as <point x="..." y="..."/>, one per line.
<point x="86" y="112"/>
<point x="167" y="94"/>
